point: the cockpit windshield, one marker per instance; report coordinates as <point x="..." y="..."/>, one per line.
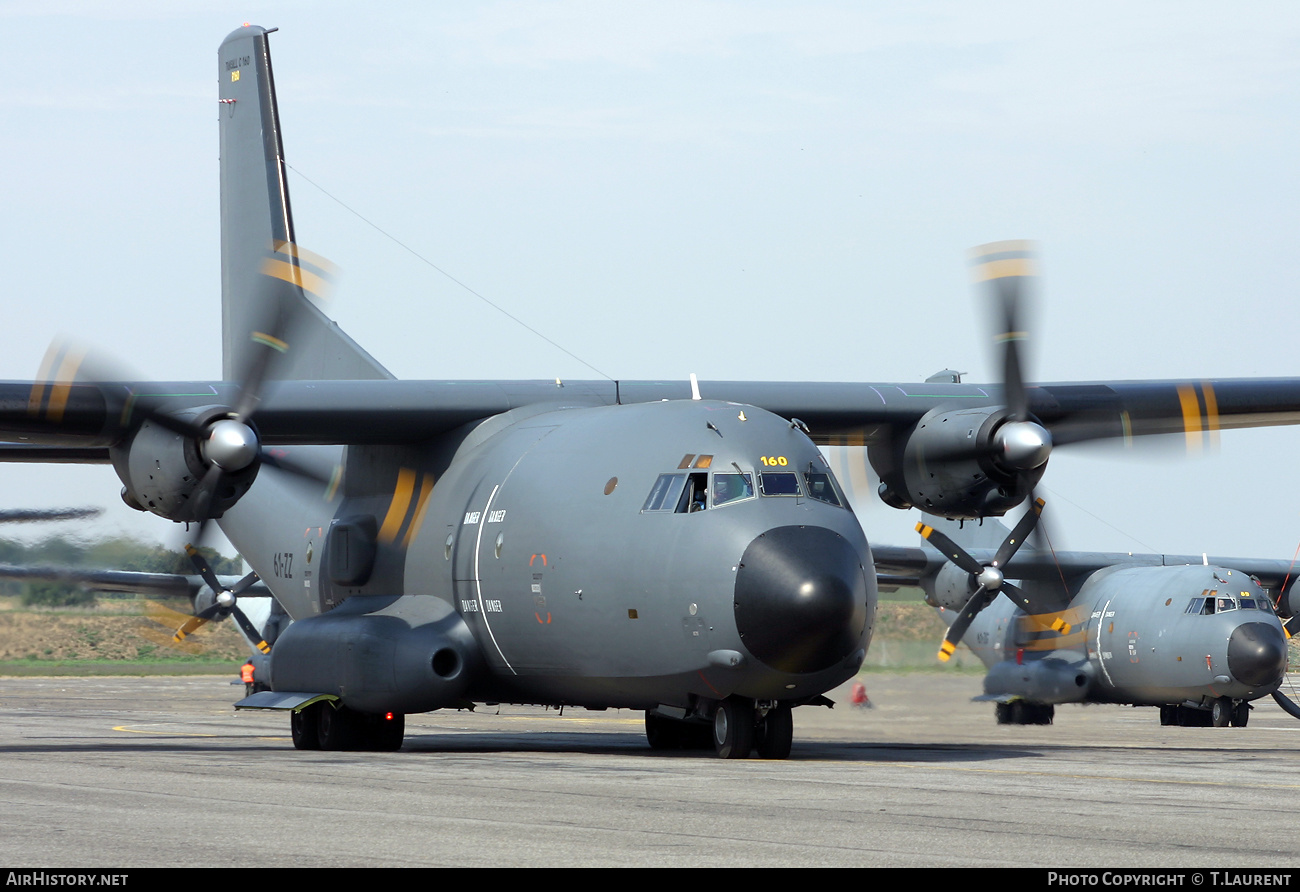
<point x="731" y="488"/>
<point x="783" y="483"/>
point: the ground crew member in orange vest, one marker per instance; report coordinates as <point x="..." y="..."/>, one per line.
<point x="246" y="675"/>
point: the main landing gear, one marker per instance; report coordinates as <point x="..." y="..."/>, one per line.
<point x="325" y="726"/>
<point x="739" y="728"/>
<point x="1222" y="713"/>
<point x="1020" y="712"/>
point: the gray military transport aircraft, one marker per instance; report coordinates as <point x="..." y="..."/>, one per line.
<point x="1195" y="636"/>
<point x="587" y="543"/>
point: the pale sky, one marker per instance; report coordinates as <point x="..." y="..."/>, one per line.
<point x="626" y="176"/>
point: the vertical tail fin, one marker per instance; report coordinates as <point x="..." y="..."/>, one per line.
<point x="257" y="238"/>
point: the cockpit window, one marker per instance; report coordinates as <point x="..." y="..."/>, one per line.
<point x="731" y="488"/>
<point x="821" y="486"/>
<point x="778" y="484"/>
<point x="678" y="494"/>
<point x="665" y="494"/>
<point x="1225" y="604"/>
<point x="1248" y="604"/>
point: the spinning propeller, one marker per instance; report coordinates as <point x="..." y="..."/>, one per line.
<point x="192" y="465"/>
<point x="1006" y="266"/>
<point x="1019" y="443"/>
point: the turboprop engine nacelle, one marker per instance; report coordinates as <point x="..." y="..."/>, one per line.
<point x="950" y="588"/>
<point x="162" y="470"/>
<point x="410" y="653"/>
<point x="1288" y="602"/>
<point x="963" y="463"/>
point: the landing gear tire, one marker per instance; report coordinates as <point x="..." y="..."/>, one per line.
<point x="1018" y="712"/>
<point x="1221" y="712"/>
<point x="303" y="727"/>
<point x="733" y="728"/>
<point x="385" y="735"/>
<point x="774" y="733"/>
<point x="338" y="728"/>
<point x="1240" y="714"/>
<point x="1191" y="717"/>
<point x="662" y="733"/>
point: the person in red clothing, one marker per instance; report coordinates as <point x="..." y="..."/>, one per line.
<point x="246" y="676"/>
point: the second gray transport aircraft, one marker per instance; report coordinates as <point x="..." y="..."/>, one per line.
<point x="440" y="544"/>
<point x="1197" y="637"/>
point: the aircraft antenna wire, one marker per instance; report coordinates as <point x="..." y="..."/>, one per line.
<point x="1042" y="528"/>
<point x="1101" y="520"/>
<point x="427" y="262"/>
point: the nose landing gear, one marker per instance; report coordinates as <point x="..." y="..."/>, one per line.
<point x="739" y="728"/>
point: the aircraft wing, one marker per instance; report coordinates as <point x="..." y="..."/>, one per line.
<point x="125" y="581"/>
<point x="91" y="416"/>
<point x="901" y="565"/>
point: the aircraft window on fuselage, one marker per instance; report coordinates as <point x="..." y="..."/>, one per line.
<point x="782" y="484"/>
<point x="665" y="494"/>
<point x="695" y="496"/>
<point x="731" y="488"/>
<point x="1248" y="604"/>
<point x="822" y="488"/>
<point x="1226" y="604"/>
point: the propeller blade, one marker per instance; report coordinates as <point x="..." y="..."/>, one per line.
<point x="951" y="550"/>
<point x="1017" y="536"/>
<point x="188" y="627"/>
<point x="250" y="630"/>
<point x="40" y="515"/>
<point x="1006" y="267"/>
<point x="201" y="564"/>
<point x="291" y="278"/>
<point x="959" y="626"/>
<point x="244" y="584"/>
<point x="280" y="461"/>
<point x="203" y="496"/>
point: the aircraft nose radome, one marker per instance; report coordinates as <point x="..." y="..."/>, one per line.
<point x="1257" y="654"/>
<point x="801" y="598"/>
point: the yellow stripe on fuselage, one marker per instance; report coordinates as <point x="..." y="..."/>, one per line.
<point x="397" y="509"/>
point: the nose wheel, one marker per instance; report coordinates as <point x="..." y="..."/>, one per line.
<point x="733" y="728"/>
<point x="774" y="733"/>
